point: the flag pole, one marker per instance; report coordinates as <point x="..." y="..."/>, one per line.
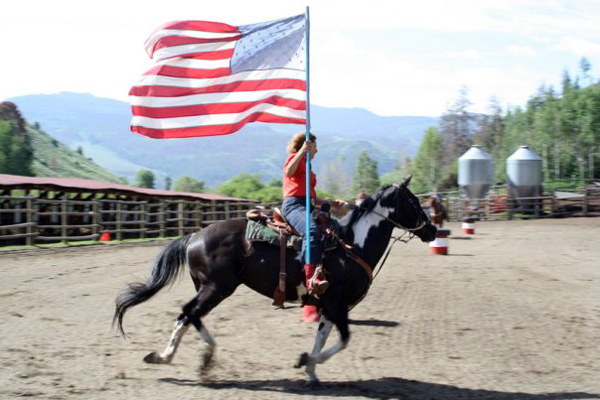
<point x="307" y="176"/>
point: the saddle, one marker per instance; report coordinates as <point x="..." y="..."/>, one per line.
<point x="277" y="231"/>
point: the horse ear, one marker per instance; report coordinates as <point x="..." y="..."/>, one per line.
<point x="406" y="180"/>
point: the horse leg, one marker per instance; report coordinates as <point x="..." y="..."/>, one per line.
<point x="181" y="326"/>
<point x="322" y="334"/>
<point x="340" y="319"/>
<point x="207" y="298"/>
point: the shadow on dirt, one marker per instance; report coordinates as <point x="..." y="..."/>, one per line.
<point x="384" y="388"/>
<point x="373" y="322"/>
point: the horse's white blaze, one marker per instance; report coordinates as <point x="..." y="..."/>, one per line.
<point x="370" y="219"/>
<point x="176" y="336"/>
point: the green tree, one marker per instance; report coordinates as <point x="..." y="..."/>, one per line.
<point x="426" y="167"/>
<point x="366" y="176"/>
<point x="168" y="183"/>
<point x="16" y="151"/>
<point x="244" y="186"/>
<point x="144" y="179"/>
<point x="189" y="184"/>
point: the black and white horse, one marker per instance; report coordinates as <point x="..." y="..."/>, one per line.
<point x="220" y="259"/>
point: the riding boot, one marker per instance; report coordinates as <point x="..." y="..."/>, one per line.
<point x="315" y="280"/>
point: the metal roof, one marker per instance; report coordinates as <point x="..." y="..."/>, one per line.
<point x="88" y="184"/>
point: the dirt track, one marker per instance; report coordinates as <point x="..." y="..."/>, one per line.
<point x="512" y="313"/>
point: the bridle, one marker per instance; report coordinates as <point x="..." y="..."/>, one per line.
<point x="410" y="231"/>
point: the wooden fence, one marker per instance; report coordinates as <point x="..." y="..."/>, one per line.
<point x="32" y="220"/>
<point x="501" y="207"/>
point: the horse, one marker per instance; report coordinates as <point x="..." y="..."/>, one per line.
<point x="220" y="258"/>
<point x="436" y="211"/>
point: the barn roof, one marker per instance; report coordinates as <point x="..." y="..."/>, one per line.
<point x="34" y="182"/>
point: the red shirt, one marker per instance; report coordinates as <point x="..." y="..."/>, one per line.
<point x="295" y="185"/>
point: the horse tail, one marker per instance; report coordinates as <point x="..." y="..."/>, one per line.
<point x="166" y="268"/>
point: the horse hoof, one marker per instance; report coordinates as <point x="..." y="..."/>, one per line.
<point x="207" y="361"/>
<point x="313" y="384"/>
<point x="153" y="358"/>
<point x="302" y="361"/>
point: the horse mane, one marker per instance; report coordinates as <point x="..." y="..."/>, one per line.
<point x="366" y="206"/>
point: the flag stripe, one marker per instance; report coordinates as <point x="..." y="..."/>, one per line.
<point x="208" y="98"/>
<point x="238" y="78"/>
<point x="215" y="108"/>
<point x="171" y="41"/>
<point x="195" y="63"/>
<point x="177" y="51"/>
<point x="168" y="70"/>
<point x="240" y="86"/>
<point x="214" y="119"/>
<point x="205" y="26"/>
<point x="214" y="130"/>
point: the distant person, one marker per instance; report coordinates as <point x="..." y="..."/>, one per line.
<point x="294" y="206"/>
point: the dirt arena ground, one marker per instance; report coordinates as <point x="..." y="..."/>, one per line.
<point x="512" y="313"/>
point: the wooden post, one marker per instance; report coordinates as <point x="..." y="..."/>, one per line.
<point x="29" y="220"/>
<point x="63" y="218"/>
<point x="227" y="215"/>
<point x="118" y="219"/>
<point x="95" y="217"/>
<point x="487" y="207"/>
<point x="213" y="209"/>
<point x="198" y="217"/>
<point x="552" y="205"/>
<point x="180" y="218"/>
<point x="143" y="219"/>
<point x="585" y="202"/>
<point x="161" y="218"/>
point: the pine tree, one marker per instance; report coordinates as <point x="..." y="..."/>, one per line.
<point x="426" y="168"/>
<point x="366" y="176"/>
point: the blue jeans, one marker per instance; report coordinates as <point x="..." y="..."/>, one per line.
<point x="294" y="210"/>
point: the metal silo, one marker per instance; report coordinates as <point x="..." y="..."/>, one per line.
<point x="524" y="170"/>
<point x="475" y="173"/>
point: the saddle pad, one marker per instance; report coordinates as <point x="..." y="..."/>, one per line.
<point x="259" y="231"/>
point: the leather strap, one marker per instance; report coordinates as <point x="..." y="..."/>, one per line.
<point x="363" y="264"/>
<point x="279" y="294"/>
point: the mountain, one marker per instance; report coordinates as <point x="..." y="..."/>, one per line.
<point x="101" y="128"/>
<point x="54" y="159"/>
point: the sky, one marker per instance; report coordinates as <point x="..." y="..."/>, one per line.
<point x="391" y="57"/>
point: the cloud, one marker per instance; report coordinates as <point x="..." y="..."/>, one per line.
<point x="578" y="46"/>
<point x="468" y="54"/>
<point x="522" y="50"/>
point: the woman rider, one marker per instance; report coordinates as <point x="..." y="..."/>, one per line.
<point x="294" y="205"/>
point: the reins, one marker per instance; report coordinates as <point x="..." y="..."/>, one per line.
<point x="376" y="269"/>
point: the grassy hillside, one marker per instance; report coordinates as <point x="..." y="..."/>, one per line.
<point x="54" y="159"/>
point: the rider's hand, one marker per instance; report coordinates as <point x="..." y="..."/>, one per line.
<point x="306" y="147"/>
<point x="339" y="203"/>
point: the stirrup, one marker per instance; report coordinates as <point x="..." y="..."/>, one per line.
<point x="317" y="284"/>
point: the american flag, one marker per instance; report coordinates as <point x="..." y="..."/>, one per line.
<point x="211" y="78"/>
